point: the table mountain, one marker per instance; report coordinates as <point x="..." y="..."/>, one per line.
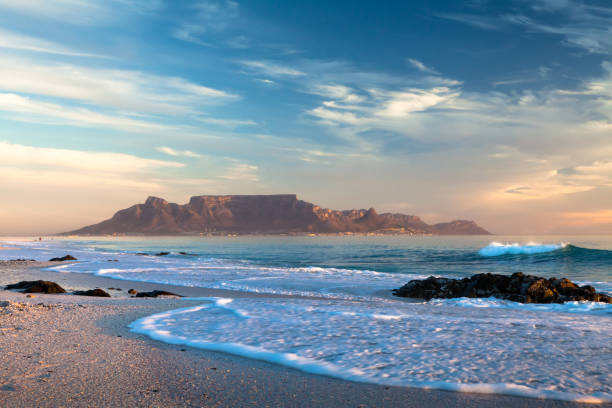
<point x="261" y="214"/>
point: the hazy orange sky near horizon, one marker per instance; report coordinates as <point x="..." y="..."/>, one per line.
<point x="494" y="111"/>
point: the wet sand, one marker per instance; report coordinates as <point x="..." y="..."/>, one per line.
<point x="75" y="351"/>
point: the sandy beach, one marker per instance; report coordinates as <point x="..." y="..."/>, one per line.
<point x="67" y="350"/>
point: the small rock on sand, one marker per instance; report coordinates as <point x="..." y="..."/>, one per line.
<point x="158" y="293"/>
<point x="39" y="286"/>
<point x="92" y="292"/>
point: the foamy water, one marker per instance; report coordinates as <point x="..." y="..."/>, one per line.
<point x="497" y="249"/>
<point x="436" y="345"/>
<point x="357" y="331"/>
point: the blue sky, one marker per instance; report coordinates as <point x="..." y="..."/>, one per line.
<point x="498" y="111"/>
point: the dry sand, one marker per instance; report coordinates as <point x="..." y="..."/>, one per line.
<point x="74" y="351"/>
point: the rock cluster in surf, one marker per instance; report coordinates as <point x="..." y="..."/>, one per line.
<point x="518" y="288"/>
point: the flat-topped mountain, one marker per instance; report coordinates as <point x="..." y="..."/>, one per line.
<point x="262" y="214"/>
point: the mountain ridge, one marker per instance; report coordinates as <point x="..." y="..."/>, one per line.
<point x="262" y="214"/>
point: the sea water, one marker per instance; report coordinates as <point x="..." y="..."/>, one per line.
<point x="347" y="325"/>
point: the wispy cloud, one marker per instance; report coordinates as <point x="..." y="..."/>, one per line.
<point x="45" y="166"/>
<point x="266" y="81"/>
<point x="15" y="41"/>
<point x="585" y="26"/>
<point x="30" y="110"/>
<point x="401" y="104"/>
<point x="336" y="92"/>
<point x="229" y="123"/>
<point x="178" y="153"/>
<point x="78" y="12"/>
<point x="562" y="181"/>
<point x="271" y="68"/>
<point x="382" y="105"/>
<point x="209" y="17"/>
<point x="242" y="172"/>
<point x="23" y="156"/>
<point x="420" y="66"/>
<point x="121" y="89"/>
<point x="73" y="11"/>
<point x="482" y="22"/>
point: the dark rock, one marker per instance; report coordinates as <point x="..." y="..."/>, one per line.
<point x="157" y="293"/>
<point x="92" y="292"/>
<point x="133" y="292"/>
<point x="162" y="253"/>
<point x="63" y="258"/>
<point x="518" y="288"/>
<point x="39" y="286"/>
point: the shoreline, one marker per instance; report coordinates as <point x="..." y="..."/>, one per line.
<point x="82" y="351"/>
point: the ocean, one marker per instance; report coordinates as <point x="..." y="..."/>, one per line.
<point x="343" y="322"/>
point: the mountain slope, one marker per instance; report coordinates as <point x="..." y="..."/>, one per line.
<point x="266" y="214"/>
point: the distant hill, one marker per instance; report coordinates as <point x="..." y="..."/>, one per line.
<point x="262" y="214"/>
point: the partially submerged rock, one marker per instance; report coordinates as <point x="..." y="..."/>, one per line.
<point x="92" y="292"/>
<point x="163" y="253"/>
<point x="63" y="258"/>
<point x="158" y="293"/>
<point x="39" y="286"/>
<point x="518" y="288"/>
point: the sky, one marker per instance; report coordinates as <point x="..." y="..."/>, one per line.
<point x="491" y="110"/>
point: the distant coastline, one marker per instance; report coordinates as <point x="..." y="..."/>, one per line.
<point x="281" y="214"/>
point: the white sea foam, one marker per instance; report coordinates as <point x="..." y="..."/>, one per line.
<point x="456" y="349"/>
<point x="473" y="345"/>
<point x="497" y="248"/>
<point x="582" y="307"/>
<point x="242" y="276"/>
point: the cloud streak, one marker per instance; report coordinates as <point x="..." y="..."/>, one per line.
<point x="178" y="153"/>
<point x="121" y="89"/>
<point x="29" y="110"/>
<point x="15" y="41"/>
<point x="271" y="68"/>
<point x="210" y="17"/>
<point x="78" y="12"/>
<point x="420" y="66"/>
<point x="12" y="154"/>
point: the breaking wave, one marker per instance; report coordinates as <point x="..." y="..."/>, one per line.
<point x="497" y="248"/>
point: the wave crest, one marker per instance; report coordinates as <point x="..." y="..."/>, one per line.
<point x="497" y="248"/>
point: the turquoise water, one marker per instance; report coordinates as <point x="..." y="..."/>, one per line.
<point x="355" y="329"/>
